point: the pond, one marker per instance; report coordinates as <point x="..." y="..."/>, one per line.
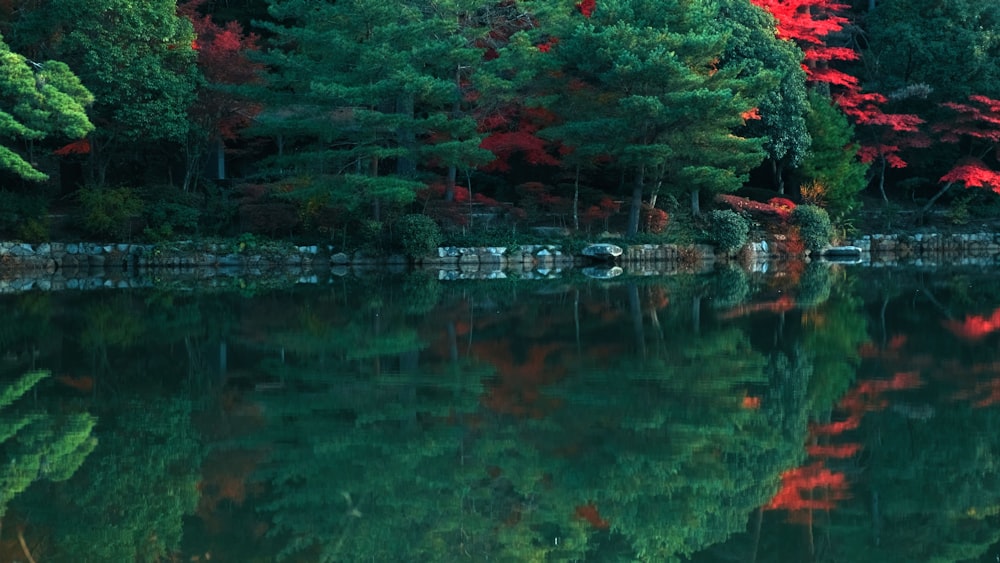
<point x="816" y="413"/>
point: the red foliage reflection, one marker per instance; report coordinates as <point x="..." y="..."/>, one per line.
<point x="589" y="513"/>
<point x="975" y="327"/>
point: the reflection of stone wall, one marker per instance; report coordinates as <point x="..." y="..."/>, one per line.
<point x="54" y="266"/>
<point x="932" y="248"/>
<point x="80" y="265"/>
<point x="50" y="257"/>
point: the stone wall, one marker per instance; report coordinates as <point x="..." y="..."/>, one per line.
<point x="929" y="249"/>
<point x="91" y="265"/>
<point x="87" y="265"/>
<point x="51" y="257"/>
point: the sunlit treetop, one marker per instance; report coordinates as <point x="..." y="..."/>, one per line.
<point x="39" y="100"/>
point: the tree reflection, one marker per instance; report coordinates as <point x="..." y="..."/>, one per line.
<point x="500" y="436"/>
<point x="38" y="444"/>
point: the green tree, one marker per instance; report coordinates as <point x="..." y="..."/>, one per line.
<point x="670" y="109"/>
<point x="754" y="46"/>
<point x="385" y="471"/>
<point x="137" y="60"/>
<point x="832" y="175"/>
<point x="949" y="45"/>
<point x="365" y="97"/>
<point x="39" y="100"/>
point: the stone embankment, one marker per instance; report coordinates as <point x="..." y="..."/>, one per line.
<point x="86" y="265"/>
<point x="91" y="265"/>
<point x="931" y="249"/>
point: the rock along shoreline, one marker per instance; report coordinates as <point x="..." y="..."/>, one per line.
<point x="71" y="265"/>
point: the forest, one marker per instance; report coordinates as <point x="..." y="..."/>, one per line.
<point x="402" y="124"/>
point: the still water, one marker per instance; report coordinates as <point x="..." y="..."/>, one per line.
<point x="817" y="414"/>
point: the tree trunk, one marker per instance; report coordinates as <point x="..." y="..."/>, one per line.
<point x="778" y="171"/>
<point x="881" y="180"/>
<point x="456" y="107"/>
<point x="576" y="200"/>
<point x="405" y="166"/>
<point x="635" y="311"/>
<point x="937" y="196"/>
<point x="757" y="522"/>
<point x="449" y="184"/>
<point x="696" y="314"/>
<point x="695" y="205"/>
<point x="636" y="205"/>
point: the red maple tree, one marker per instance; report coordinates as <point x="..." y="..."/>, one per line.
<point x="813" y="25"/>
<point x="975" y="124"/>
<point x="222" y="59"/>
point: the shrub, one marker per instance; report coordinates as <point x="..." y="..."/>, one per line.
<point x="814" y="288"/>
<point x="109" y="212"/>
<point x="727" y="229"/>
<point x="653" y="220"/>
<point x="731" y="287"/>
<point x="169" y="211"/>
<point x="763" y="212"/>
<point x="814" y="226"/>
<point x="270" y="218"/>
<point x="418" y="234"/>
<point x="24" y="216"/>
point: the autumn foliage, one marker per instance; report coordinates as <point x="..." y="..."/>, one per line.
<point x="777" y="210"/>
<point x="975" y="327"/>
<point x="222" y="59"/>
<point x="816" y="487"/>
<point x="813" y="25"/>
<point x="975" y="123"/>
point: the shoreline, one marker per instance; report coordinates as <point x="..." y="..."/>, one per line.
<point x="54" y="266"/>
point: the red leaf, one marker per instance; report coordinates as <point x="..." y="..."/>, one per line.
<point x="973" y="173"/>
<point x="76" y="147"/>
<point x="976" y="327"/>
<point x="752" y="113"/>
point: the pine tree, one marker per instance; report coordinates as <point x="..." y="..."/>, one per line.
<point x="668" y="110"/>
<point x="41" y="100"/>
<point x="365" y="97"/>
<point x="137" y="60"/>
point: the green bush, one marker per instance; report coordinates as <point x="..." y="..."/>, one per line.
<point x="169" y="212"/>
<point x="109" y="212"/>
<point x="24" y="217"/>
<point x="728" y="229"/>
<point x="814" y="285"/>
<point x="814" y="225"/>
<point x="731" y="287"/>
<point x="219" y="212"/>
<point x="419" y="235"/>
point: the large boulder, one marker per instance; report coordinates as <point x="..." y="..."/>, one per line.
<point x="602" y="251"/>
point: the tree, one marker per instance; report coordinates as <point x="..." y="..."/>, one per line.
<point x="976" y="125"/>
<point x="948" y="45"/>
<point x="832" y="172"/>
<point x="137" y="60"/>
<point x="365" y="95"/>
<point x="782" y="110"/>
<point x="36" y="444"/>
<point x="129" y="501"/>
<point x="671" y="110"/>
<point x="218" y="114"/>
<point x="813" y="25"/>
<point x="41" y="100"/>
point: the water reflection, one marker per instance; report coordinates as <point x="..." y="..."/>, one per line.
<point x="816" y="414"/>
